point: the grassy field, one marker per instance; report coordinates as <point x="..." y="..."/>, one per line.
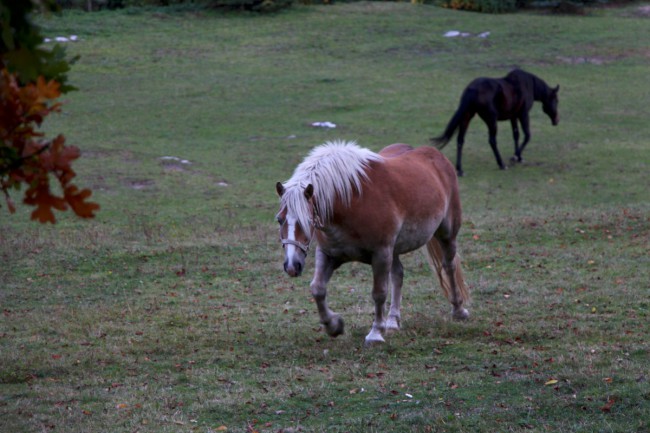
<point x="170" y="312"/>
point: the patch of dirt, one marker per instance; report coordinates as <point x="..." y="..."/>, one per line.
<point x="584" y="60"/>
<point x="644" y="11"/>
<point x="174" y="164"/>
<point x="140" y="184"/>
<point x="173" y="168"/>
<point x="603" y="59"/>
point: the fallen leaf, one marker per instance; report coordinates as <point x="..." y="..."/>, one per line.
<point x="551" y="382"/>
<point x="608" y="406"/>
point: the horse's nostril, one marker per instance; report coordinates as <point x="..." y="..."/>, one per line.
<point x="286" y="266"/>
<point x="298" y="267"/>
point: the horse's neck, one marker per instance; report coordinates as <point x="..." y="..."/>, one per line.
<point x="540" y="89"/>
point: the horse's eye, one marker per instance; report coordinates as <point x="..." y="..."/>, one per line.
<point x="280" y="220"/>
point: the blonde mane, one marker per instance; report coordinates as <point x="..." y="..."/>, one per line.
<point x="336" y="170"/>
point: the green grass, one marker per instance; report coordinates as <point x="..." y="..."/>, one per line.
<point x="170" y="312"/>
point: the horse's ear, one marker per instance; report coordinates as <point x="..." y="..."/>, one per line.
<point x="279" y="188"/>
<point x="309" y="191"/>
<point x="557" y="89"/>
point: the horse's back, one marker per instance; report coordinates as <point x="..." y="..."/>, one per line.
<point x="395" y="149"/>
<point x="434" y="159"/>
<point x="404" y="154"/>
<point x="415" y="175"/>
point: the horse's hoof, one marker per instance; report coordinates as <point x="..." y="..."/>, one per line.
<point x="374" y="336"/>
<point x="393" y="323"/>
<point x="373" y="340"/>
<point x="516" y="158"/>
<point x="460" y="173"/>
<point x="335" y="326"/>
<point x="460" y="314"/>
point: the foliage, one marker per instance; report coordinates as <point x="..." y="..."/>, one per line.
<point x="251" y="5"/>
<point x="21" y="49"/>
<point x="27" y="159"/>
<point x="31" y="79"/>
<point x="489" y="6"/>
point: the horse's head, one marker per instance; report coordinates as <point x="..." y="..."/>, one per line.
<point x="550" y="106"/>
<point x="295" y="237"/>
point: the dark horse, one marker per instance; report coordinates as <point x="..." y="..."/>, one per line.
<point x="497" y="99"/>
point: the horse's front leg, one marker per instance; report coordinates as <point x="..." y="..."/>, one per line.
<point x="396" y="278"/>
<point x="325" y="266"/>
<point x="525" y="125"/>
<point x="381" y="266"/>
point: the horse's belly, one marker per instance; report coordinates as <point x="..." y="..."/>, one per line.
<point x="341" y="245"/>
<point x="413" y="236"/>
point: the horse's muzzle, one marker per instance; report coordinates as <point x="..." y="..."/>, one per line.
<point x="294" y="269"/>
<point x="555" y="120"/>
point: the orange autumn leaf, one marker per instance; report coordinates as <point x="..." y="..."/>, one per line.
<point x="77" y="201"/>
<point x="29" y="159"/>
<point x="608" y="406"/>
<point x="48" y="89"/>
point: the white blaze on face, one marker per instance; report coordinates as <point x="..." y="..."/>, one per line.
<point x="290" y="249"/>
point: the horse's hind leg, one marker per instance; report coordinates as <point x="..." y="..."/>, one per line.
<point x="451" y="266"/>
<point x="460" y="140"/>
<point x="325" y="267"/>
<point x="446" y="262"/>
<point x="515" y="137"/>
<point x="396" y="277"/>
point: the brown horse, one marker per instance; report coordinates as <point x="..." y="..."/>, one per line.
<point x="371" y="208"/>
<point x="494" y="99"/>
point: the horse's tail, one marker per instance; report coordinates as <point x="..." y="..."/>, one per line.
<point x="442" y="140"/>
<point x="434" y="255"/>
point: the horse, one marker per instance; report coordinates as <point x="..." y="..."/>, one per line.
<point x="361" y="206"/>
<point x="494" y="99"/>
